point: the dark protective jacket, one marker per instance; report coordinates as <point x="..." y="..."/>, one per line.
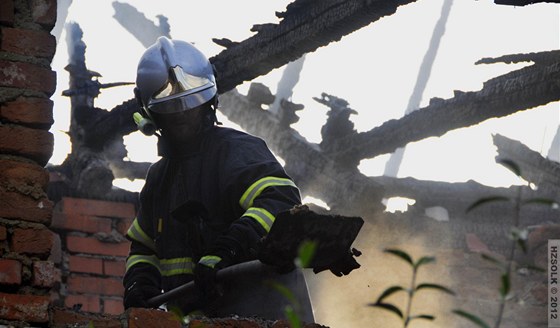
<point x="227" y="183"/>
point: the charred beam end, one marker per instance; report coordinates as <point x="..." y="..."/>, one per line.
<point x="522" y="2"/>
<point x="304" y="28"/>
<point x="518" y="90"/>
<point x="543" y="57"/>
<point x="533" y="167"/>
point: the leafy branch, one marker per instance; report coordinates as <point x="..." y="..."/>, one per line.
<point x="518" y="236"/>
<point x="411" y="291"/>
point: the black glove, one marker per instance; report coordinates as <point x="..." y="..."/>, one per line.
<point x="205" y="278"/>
<point x="343" y="265"/>
<point x="137" y="295"/>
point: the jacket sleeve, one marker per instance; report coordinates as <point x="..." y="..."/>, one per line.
<point x="260" y="189"/>
<point x="142" y="264"/>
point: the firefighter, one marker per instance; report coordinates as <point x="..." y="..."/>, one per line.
<point x="211" y="197"/>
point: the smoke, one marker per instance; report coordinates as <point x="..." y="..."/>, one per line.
<point x="342" y="301"/>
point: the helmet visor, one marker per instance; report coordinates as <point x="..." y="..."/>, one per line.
<point x="184" y="101"/>
<point x="181" y="82"/>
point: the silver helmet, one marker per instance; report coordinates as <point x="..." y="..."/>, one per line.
<point x="173" y="77"/>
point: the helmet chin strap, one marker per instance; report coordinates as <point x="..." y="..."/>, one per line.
<point x="213" y="109"/>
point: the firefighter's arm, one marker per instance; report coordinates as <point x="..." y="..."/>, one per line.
<point x="240" y="241"/>
<point x="142" y="279"/>
<point x="258" y="187"/>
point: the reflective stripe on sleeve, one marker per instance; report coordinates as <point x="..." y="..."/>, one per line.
<point x="166" y="267"/>
<point x="135" y="259"/>
<point x="262" y="216"/>
<point x="176" y="266"/>
<point x="135" y="232"/>
<point x="257" y="187"/>
<point x="210" y="260"/>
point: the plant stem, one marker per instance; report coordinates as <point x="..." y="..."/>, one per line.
<point x="410" y="295"/>
<point x="516" y="216"/>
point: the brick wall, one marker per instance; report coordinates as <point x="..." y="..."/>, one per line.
<point x="27" y="270"/>
<point x="94" y="252"/>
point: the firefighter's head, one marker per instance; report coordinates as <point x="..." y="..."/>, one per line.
<point x="176" y="88"/>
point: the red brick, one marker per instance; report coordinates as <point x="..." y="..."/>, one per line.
<point x="44" y="12"/>
<point x="27" y="177"/>
<point x="90" y="245"/>
<point x="10" y="272"/>
<point x="113" y="306"/>
<point x="32" y="241"/>
<point x="89" y="303"/>
<point x="27" y="76"/>
<point x="67" y="318"/>
<point x="36" y="43"/>
<point x="31" y="111"/>
<point x="35" y="144"/>
<point x="3" y="233"/>
<point x="85" y="264"/>
<point x="45" y="274"/>
<point x="94" y="285"/>
<point x="148" y="318"/>
<point x="114" y="268"/>
<point x="7" y="12"/>
<point x="83" y="223"/>
<point x="14" y="205"/>
<point x="97" y="208"/>
<point x="29" y="308"/>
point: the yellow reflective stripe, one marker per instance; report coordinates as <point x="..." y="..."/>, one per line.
<point x="176" y="266"/>
<point x="166" y="267"/>
<point x="210" y="260"/>
<point x="262" y="216"/>
<point x="256" y="188"/>
<point x="135" y="232"/>
<point x="135" y="259"/>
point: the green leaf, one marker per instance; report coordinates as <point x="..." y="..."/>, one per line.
<point x="293" y="318"/>
<point x="389" y="291"/>
<point x="422" y="316"/>
<point x="519" y="234"/>
<point x="492" y="259"/>
<point x="485" y="200"/>
<point x="505" y="287"/>
<point x="540" y="201"/>
<point x="435" y="286"/>
<point x="523" y="245"/>
<point x="474" y="319"/>
<point x="389" y="307"/>
<point x="306" y="252"/>
<point x="511" y="165"/>
<point x="424" y="260"/>
<point x="402" y="254"/>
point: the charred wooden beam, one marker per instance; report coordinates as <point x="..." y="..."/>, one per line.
<point x="522" y="89"/>
<point x="522" y="2"/>
<point x="533" y="167"/>
<point x="305" y="26"/>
